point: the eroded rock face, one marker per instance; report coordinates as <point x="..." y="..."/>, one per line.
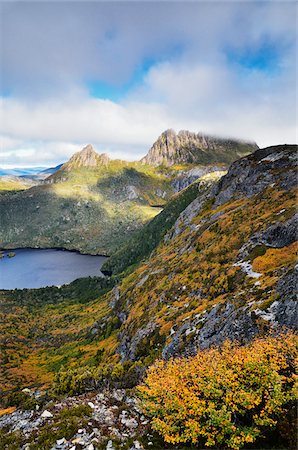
<point x="251" y="175"/>
<point x="188" y="147"/>
<point x="86" y="158"/>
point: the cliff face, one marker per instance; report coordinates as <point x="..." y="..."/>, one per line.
<point x="191" y="148"/>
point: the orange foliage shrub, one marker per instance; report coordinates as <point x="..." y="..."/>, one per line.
<point x="275" y="258"/>
<point x="225" y="397"/>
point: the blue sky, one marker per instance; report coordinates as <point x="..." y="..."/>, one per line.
<point x="116" y="74"/>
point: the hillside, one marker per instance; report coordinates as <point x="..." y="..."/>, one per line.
<point x="143" y="241"/>
<point x="90" y="204"/>
<point x="223" y="267"/>
<point x="14" y="183"/>
<point x="190" y="148"/>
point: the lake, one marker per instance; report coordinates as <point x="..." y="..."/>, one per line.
<point x="35" y="268"/>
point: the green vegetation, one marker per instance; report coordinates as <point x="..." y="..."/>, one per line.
<point x="145" y="240"/>
<point x="10" y="441"/>
<point x="98" y="333"/>
<point x="65" y="424"/>
<point x="93" y="210"/>
<point x="45" y="329"/>
<point x="13" y="184"/>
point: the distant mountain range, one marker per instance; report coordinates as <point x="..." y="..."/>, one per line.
<point x="29" y="172"/>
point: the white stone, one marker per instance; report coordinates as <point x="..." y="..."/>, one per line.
<point x="61" y="441"/>
<point x="47" y="414"/>
<point x="26" y="390"/>
<point x="110" y="446"/>
<point x="129" y="423"/>
<point x="90" y="447"/>
<point x="91" y="405"/>
<point x="79" y="441"/>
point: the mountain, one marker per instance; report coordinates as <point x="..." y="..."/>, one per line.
<point x="191" y="148"/>
<point x="18" y="172"/>
<point x="86" y="158"/>
<point x="217" y="264"/>
<point x="91" y="204"/>
<point x="43" y="174"/>
<point x="143" y="241"/>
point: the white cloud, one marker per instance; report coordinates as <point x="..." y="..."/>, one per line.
<point x="200" y="98"/>
<point x="51" y="50"/>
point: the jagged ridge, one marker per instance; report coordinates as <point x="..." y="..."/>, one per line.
<point x="190" y="148"/>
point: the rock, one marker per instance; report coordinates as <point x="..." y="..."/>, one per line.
<point x="187" y="147"/>
<point x="47" y="414"/>
<point x="91" y="405"/>
<point x="136" y="446"/>
<point x="90" y="447"/>
<point x="61" y="441"/>
<point x="78" y="441"/>
<point x="86" y="158"/>
<point x="118" y="394"/>
<point x="110" y="445"/>
<point x="26" y="391"/>
<point x="129" y="423"/>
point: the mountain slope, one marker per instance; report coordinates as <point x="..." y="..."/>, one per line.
<point x="143" y="241"/>
<point x="224" y="270"/>
<point x="191" y="148"/>
<point x="90" y="204"/>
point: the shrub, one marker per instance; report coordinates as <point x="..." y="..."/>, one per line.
<point x="226" y="397"/>
<point x="19" y="399"/>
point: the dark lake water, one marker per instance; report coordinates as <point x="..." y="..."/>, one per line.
<point x="35" y="268"/>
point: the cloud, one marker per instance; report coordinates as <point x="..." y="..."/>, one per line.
<point x="177" y="65"/>
<point x="56" y="45"/>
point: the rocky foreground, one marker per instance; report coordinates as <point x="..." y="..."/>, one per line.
<point x="106" y="420"/>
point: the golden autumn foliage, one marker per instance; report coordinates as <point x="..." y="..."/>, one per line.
<point x="224" y="397"/>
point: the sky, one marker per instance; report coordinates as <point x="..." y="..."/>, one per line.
<point x="117" y="74"/>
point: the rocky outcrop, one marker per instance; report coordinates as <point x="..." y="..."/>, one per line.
<point x="114" y="419"/>
<point x="188" y="148"/>
<point x="86" y="158"/>
<point x="251" y="175"/>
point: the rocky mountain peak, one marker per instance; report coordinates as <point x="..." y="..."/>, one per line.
<point x="87" y="157"/>
<point x="188" y="147"/>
